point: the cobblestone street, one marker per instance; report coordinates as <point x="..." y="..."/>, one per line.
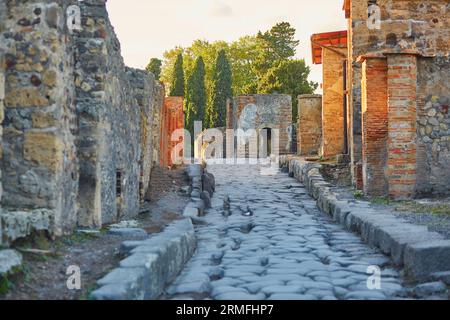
<point x="277" y="245"/>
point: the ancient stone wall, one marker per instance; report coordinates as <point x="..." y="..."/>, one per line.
<point x="433" y="123"/>
<point x="412" y="37"/>
<point x="39" y="165"/>
<point x="78" y="131"/>
<point x="143" y="85"/>
<point x="158" y="105"/>
<point x="266" y="111"/>
<point x="333" y="136"/>
<point x="309" y="128"/>
<point x="2" y="94"/>
<point x="172" y="120"/>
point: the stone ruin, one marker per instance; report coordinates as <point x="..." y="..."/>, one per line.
<point x="80" y="130"/>
<point x="387" y="105"/>
<point x="269" y="115"/>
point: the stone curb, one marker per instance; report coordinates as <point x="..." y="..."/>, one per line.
<point x="420" y="252"/>
<point x="202" y="185"/>
<point x="150" y="266"/>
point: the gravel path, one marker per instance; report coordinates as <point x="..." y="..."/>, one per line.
<point x="285" y="250"/>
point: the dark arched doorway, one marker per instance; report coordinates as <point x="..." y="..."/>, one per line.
<point x="265" y="143"/>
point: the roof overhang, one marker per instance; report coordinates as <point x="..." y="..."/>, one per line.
<point x="332" y="40"/>
<point x="346" y="8"/>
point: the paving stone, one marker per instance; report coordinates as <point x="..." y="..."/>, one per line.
<point x="291" y="296"/>
<point x="288" y="250"/>
<point x="191" y="287"/>
<point x="9" y="261"/>
<point x="236" y="296"/>
<point x="283" y="289"/>
<point x="365" y="295"/>
<point x="431" y="288"/>
<point x="219" y="290"/>
<point x="128" y="232"/>
<point x="442" y="276"/>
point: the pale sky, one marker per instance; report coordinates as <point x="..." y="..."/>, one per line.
<point x="147" y="28"/>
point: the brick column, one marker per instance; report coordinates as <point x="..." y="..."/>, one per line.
<point x="374" y="126"/>
<point x="402" y="105"/>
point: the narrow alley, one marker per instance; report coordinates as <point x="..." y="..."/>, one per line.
<point x="275" y="244"/>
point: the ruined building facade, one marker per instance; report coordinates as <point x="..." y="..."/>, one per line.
<point x="80" y="132"/>
<point x="398" y="77"/>
<point x="172" y="124"/>
<point x="269" y="115"/>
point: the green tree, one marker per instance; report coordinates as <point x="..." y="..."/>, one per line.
<point x="177" y="86"/>
<point x="195" y="101"/>
<point x="154" y="67"/>
<point x="169" y="59"/>
<point x="221" y="91"/>
<point x="242" y="54"/>
<point x="288" y="77"/>
<point x="277" y="44"/>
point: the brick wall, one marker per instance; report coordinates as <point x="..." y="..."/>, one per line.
<point x="375" y="126"/>
<point x="402" y="145"/>
<point x="309" y="127"/>
<point x="172" y="119"/>
<point x="407" y="27"/>
<point x="333" y="103"/>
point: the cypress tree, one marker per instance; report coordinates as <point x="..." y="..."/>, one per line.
<point x="177" y="86"/>
<point x="195" y="101"/>
<point x="154" y="67"/>
<point x="221" y="91"/>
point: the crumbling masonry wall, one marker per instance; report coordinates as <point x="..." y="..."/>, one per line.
<point x="172" y="120"/>
<point x="143" y="85"/>
<point x="2" y="97"/>
<point x="412" y="37"/>
<point x="309" y="128"/>
<point x="78" y="131"/>
<point x="333" y="140"/>
<point x="264" y="111"/>
<point x="39" y="165"/>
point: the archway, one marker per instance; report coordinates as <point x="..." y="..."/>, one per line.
<point x="265" y="142"/>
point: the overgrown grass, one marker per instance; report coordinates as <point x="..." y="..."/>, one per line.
<point x="6" y="280"/>
<point x="75" y="238"/>
<point x="358" y="194"/>
<point x="414" y="206"/>
<point x="438" y="209"/>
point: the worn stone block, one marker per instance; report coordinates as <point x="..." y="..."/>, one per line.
<point x="425" y="258"/>
<point x="45" y="149"/>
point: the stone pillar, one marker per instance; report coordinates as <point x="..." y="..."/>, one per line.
<point x="2" y="97"/>
<point x="229" y="132"/>
<point x="158" y="104"/>
<point x="39" y="165"/>
<point x="402" y="144"/>
<point x="333" y="103"/>
<point x="355" y="130"/>
<point x="173" y="119"/>
<point x="374" y="126"/>
<point x="309" y="127"/>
